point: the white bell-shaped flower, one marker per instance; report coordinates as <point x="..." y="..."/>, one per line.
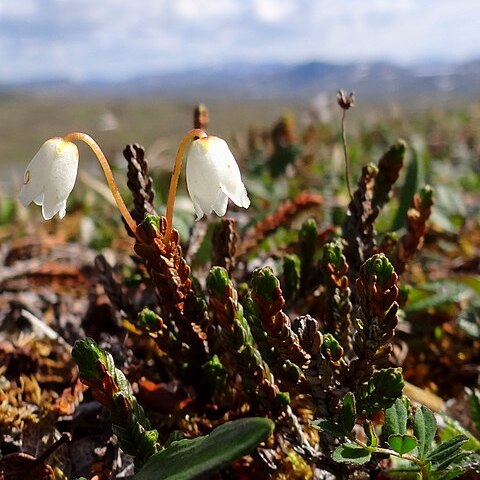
<point x="213" y="177"/>
<point x="50" y="177"/>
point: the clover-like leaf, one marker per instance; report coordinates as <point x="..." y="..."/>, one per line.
<point x="402" y="443"/>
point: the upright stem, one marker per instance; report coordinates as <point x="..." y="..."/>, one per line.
<point x="108" y="175"/>
<point x="345" y="154"/>
<point x="177" y="168"/>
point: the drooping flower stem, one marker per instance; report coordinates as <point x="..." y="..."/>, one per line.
<point x="79" y="136"/>
<point x="189" y="136"/>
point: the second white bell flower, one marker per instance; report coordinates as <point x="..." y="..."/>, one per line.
<point x="50" y="177"/>
<point x="213" y="177"/>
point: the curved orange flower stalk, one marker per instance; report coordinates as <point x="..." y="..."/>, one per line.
<point x="212" y="175"/>
<point x="50" y="176"/>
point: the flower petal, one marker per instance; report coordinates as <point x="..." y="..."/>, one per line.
<point x="49" y="210"/>
<point x="198" y="209"/>
<point x="213" y="176"/>
<point x="37" y="172"/>
<point x="220" y="204"/>
<point x="50" y="177"/>
<point x="228" y="172"/>
<point x="39" y="200"/>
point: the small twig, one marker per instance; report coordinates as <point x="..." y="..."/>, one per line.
<point x="345" y="155"/>
<point x="346" y="101"/>
<point x="66" y="437"/>
<point x="42" y="328"/>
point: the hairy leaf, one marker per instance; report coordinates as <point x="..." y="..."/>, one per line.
<point x="329" y="427"/>
<point x="349" y="453"/>
<point x="475" y="408"/>
<point x="349" y="411"/>
<point x="188" y="459"/>
<point x="424" y="426"/>
<point x="396" y="418"/>
<point x="447" y="450"/>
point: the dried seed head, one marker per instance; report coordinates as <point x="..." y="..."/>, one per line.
<point x="200" y="117"/>
<point x="345" y="101"/>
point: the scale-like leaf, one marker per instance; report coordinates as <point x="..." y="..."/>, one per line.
<point x="189" y="459"/>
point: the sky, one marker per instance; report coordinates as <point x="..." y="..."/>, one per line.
<point x="119" y="39"/>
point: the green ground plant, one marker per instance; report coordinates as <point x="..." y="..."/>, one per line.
<point x="273" y="338"/>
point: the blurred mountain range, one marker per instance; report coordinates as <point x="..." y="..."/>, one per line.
<point x="372" y="81"/>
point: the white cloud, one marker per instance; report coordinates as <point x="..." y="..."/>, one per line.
<point x="206" y="11"/>
<point x="273" y="11"/>
<point x="116" y="38"/>
<point x="13" y="9"/>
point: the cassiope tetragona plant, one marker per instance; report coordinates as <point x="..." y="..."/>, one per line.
<point x="213" y="176"/>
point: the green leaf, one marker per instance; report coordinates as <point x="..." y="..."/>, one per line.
<point x="87" y="354"/>
<point x="349" y="453"/>
<point x="372" y="440"/>
<point x="380" y="392"/>
<point x="379" y="265"/>
<point x="453" y="428"/>
<point x="291" y="275"/>
<point x="410" y="186"/>
<point x="329" y="427"/>
<point x="331" y="348"/>
<point x="215" y="374"/>
<point x="475" y="408"/>
<point x="440" y="294"/>
<point x="402" y="443"/>
<point x="349" y="411"/>
<point x="447" y="450"/>
<point x="188" y="459"/>
<point x="396" y="419"/>
<point x="425" y="427"/>
<point x="450" y="461"/>
<point x="217" y="281"/>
